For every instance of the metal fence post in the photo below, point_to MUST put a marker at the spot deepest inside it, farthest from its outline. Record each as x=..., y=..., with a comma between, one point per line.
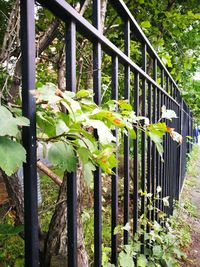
x=29, y=133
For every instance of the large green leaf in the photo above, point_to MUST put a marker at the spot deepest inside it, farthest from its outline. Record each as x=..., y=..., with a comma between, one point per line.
x=158, y=142
x=47, y=93
x=62, y=155
x=88, y=169
x=126, y=260
x=22, y=121
x=112, y=117
x=84, y=154
x=46, y=123
x=9, y=124
x=12, y=155
x=84, y=93
x=106, y=159
x=142, y=261
x=61, y=127
x=104, y=133
x=157, y=251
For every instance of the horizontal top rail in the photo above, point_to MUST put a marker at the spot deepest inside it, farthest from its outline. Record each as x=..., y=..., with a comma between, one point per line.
x=63, y=10
x=125, y=14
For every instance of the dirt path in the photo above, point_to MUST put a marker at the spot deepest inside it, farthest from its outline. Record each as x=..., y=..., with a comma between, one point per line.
x=191, y=194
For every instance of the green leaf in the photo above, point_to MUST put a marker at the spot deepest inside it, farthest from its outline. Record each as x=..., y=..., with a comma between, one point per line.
x=104, y=133
x=118, y=229
x=22, y=121
x=189, y=137
x=146, y=24
x=87, y=104
x=159, y=128
x=8, y=229
x=84, y=154
x=108, y=265
x=157, y=251
x=62, y=155
x=88, y=169
x=84, y=93
x=12, y=155
x=9, y=124
x=106, y=159
x=107, y=116
x=124, y=105
x=132, y=133
x=158, y=142
x=142, y=261
x=47, y=93
x=46, y=123
x=73, y=106
x=126, y=260
x=61, y=127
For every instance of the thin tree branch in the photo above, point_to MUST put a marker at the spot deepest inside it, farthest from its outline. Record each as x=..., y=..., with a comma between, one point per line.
x=49, y=172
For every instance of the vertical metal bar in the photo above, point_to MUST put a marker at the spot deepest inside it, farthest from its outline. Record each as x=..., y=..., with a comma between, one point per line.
x=136, y=168
x=165, y=159
x=29, y=134
x=166, y=150
x=153, y=157
x=149, y=147
x=178, y=149
x=168, y=161
x=171, y=171
x=114, y=207
x=153, y=146
x=170, y=179
x=126, y=138
x=71, y=177
x=155, y=69
x=143, y=163
x=161, y=162
x=175, y=93
x=180, y=130
x=167, y=84
x=171, y=88
x=97, y=174
x=157, y=155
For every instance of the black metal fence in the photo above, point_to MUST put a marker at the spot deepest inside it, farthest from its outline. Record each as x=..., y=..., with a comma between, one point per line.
x=148, y=168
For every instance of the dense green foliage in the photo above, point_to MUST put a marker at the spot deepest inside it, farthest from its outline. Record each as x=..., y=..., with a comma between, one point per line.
x=71, y=134
x=192, y=95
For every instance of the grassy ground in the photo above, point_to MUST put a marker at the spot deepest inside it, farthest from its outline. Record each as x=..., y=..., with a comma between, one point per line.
x=190, y=200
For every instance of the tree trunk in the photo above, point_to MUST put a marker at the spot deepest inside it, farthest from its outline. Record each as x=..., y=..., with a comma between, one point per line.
x=56, y=243
x=61, y=71
x=15, y=194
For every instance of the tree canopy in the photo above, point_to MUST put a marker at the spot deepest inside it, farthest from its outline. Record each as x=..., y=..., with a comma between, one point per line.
x=173, y=28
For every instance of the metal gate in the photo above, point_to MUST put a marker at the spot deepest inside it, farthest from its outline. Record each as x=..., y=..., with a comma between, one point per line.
x=149, y=168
